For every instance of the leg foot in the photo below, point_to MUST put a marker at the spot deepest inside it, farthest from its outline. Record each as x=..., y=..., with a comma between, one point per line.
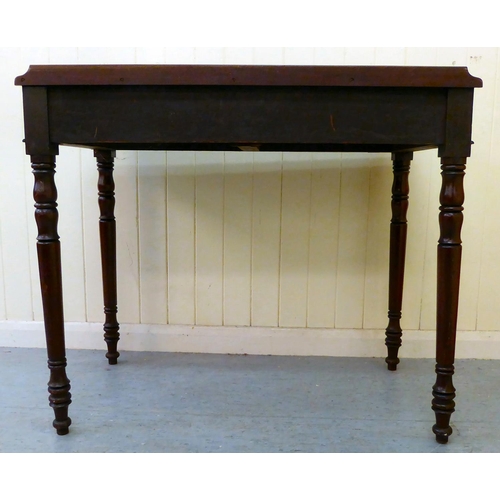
x=112, y=358
x=392, y=363
x=443, y=402
x=441, y=438
x=59, y=396
x=393, y=335
x=62, y=426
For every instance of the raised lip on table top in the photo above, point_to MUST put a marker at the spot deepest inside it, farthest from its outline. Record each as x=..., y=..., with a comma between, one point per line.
x=249, y=75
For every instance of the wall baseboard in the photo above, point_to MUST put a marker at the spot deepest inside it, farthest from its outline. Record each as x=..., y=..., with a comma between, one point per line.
x=252, y=340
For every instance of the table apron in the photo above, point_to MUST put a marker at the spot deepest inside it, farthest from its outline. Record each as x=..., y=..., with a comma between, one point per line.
x=247, y=116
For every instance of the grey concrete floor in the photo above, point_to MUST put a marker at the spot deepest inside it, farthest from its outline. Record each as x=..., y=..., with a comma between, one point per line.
x=155, y=402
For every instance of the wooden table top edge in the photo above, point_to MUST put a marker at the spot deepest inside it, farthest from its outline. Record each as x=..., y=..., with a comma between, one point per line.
x=250, y=75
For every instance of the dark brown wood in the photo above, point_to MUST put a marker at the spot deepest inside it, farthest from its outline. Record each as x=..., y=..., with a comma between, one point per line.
x=36, y=120
x=390, y=109
x=397, y=252
x=448, y=281
x=458, y=121
x=107, y=233
x=236, y=75
x=49, y=261
x=268, y=118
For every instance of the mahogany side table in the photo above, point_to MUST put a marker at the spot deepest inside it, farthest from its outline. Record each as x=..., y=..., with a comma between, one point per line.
x=392, y=109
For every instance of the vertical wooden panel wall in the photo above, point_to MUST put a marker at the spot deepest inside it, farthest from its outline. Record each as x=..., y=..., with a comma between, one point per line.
x=239, y=239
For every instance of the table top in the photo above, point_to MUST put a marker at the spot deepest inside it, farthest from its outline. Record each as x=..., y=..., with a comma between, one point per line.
x=237, y=107
x=241, y=75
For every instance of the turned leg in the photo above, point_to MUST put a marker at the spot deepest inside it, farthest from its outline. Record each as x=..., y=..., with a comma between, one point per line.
x=107, y=233
x=448, y=280
x=49, y=263
x=399, y=205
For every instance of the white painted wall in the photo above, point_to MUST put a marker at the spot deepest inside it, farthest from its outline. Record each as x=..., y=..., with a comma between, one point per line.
x=267, y=240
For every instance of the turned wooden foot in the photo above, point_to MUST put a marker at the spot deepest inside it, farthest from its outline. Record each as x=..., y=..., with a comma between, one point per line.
x=59, y=397
x=399, y=205
x=443, y=403
x=107, y=233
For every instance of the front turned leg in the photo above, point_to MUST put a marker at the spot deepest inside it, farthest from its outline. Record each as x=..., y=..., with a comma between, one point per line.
x=49, y=264
x=397, y=251
x=107, y=233
x=448, y=280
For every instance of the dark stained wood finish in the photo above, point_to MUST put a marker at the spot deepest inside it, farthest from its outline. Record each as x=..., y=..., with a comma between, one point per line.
x=397, y=252
x=270, y=118
x=107, y=234
x=449, y=258
x=235, y=75
x=390, y=109
x=49, y=262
